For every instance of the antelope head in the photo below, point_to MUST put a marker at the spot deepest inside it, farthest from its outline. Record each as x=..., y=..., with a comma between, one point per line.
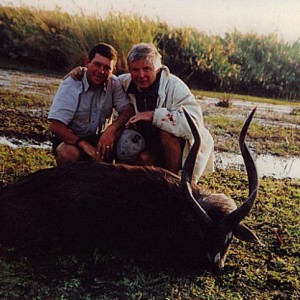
x=217, y=216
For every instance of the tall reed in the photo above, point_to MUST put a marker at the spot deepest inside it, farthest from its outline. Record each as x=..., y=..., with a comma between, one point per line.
x=249, y=63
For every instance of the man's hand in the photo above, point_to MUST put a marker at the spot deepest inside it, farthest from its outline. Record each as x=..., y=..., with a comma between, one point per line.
x=77, y=73
x=106, y=143
x=88, y=149
x=141, y=116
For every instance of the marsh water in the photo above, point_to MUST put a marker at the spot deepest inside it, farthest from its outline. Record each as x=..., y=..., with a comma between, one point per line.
x=271, y=114
x=267, y=165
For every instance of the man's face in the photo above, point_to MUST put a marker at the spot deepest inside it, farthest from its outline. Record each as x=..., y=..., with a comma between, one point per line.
x=99, y=69
x=143, y=73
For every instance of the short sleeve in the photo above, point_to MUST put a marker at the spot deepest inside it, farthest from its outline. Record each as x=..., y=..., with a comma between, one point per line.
x=65, y=101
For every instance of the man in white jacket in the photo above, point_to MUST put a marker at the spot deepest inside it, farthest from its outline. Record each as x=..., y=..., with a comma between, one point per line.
x=158, y=97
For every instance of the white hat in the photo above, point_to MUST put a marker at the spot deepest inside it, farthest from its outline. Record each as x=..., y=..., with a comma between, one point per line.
x=130, y=144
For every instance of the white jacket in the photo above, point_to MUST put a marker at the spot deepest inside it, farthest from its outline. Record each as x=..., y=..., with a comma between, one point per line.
x=173, y=94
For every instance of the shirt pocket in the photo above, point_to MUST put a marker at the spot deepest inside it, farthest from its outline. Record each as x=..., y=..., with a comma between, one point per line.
x=80, y=122
x=82, y=117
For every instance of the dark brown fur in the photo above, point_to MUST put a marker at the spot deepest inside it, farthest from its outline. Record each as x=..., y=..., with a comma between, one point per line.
x=140, y=210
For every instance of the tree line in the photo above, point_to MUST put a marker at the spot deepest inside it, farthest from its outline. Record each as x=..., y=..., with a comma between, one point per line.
x=260, y=65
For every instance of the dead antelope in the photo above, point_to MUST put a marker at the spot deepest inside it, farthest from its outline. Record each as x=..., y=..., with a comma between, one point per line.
x=137, y=209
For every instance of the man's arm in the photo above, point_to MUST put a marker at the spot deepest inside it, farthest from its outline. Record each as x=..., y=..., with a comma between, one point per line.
x=68, y=137
x=108, y=137
x=124, y=109
x=62, y=111
x=123, y=117
x=63, y=132
x=170, y=116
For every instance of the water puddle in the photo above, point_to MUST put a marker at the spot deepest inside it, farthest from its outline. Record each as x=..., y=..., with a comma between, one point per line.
x=16, y=143
x=267, y=165
x=28, y=82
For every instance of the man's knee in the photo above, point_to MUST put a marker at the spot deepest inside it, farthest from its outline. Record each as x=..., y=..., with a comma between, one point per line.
x=145, y=158
x=172, y=148
x=66, y=154
x=169, y=140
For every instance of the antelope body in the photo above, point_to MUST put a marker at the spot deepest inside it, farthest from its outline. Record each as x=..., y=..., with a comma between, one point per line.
x=132, y=208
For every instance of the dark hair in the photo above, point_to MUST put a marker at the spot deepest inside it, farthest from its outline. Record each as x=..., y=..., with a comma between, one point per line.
x=105, y=50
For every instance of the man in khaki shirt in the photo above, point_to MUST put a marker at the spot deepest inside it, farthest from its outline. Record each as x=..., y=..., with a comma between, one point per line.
x=81, y=112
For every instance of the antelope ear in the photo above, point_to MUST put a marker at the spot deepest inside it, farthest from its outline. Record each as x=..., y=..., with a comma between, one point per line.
x=243, y=233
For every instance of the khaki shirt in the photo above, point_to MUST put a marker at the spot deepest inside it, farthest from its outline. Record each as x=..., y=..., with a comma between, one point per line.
x=85, y=111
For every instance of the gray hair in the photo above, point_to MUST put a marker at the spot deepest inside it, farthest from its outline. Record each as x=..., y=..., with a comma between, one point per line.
x=144, y=51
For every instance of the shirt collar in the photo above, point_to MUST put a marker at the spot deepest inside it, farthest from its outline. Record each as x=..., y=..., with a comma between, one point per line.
x=86, y=85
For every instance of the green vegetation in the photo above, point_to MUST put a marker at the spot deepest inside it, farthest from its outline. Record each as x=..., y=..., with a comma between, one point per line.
x=237, y=63
x=269, y=271
x=11, y=98
x=276, y=140
x=16, y=163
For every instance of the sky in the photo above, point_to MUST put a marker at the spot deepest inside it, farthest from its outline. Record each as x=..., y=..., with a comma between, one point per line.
x=210, y=16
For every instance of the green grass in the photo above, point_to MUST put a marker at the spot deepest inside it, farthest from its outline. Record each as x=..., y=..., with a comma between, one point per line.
x=269, y=271
x=275, y=140
x=13, y=98
x=19, y=162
